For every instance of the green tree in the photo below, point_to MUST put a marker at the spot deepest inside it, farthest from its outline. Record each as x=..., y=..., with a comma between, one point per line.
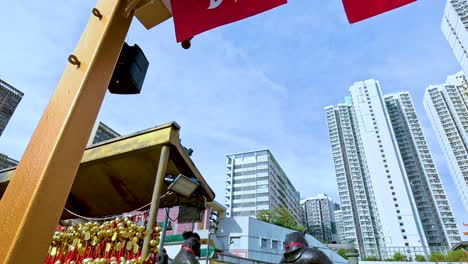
x=399, y=257
x=436, y=256
x=371, y=258
x=280, y=216
x=264, y=215
x=342, y=252
x=457, y=256
x=420, y=258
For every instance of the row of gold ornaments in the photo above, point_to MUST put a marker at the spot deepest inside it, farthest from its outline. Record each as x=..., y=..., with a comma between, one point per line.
x=110, y=242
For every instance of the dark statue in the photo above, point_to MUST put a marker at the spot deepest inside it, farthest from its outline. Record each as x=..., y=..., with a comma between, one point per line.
x=162, y=257
x=297, y=251
x=190, y=249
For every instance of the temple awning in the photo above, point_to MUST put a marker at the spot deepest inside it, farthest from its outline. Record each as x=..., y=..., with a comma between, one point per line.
x=118, y=175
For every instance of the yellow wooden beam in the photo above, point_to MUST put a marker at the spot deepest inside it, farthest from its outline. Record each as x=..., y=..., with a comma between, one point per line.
x=153, y=13
x=34, y=200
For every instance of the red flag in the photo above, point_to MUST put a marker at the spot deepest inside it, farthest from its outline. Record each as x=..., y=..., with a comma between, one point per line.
x=357, y=10
x=193, y=17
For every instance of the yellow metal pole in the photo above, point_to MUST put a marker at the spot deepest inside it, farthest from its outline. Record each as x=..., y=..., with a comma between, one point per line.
x=33, y=202
x=153, y=213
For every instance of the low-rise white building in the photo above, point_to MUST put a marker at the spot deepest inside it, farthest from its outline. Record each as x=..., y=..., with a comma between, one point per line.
x=247, y=240
x=251, y=238
x=255, y=182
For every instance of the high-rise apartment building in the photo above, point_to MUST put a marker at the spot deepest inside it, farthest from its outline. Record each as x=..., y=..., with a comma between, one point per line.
x=431, y=200
x=255, y=181
x=391, y=195
x=337, y=206
x=101, y=132
x=7, y=162
x=339, y=226
x=454, y=26
x=447, y=108
x=319, y=217
x=9, y=100
x=358, y=221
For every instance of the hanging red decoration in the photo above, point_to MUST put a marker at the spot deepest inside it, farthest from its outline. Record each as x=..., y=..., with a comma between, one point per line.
x=357, y=10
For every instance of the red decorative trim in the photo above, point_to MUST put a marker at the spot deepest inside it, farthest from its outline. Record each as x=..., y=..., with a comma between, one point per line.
x=188, y=249
x=292, y=244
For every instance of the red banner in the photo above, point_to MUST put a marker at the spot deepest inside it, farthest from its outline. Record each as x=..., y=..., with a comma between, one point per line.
x=192, y=17
x=357, y=10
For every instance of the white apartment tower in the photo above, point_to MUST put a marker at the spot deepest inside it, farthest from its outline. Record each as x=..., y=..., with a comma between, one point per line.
x=255, y=182
x=339, y=226
x=319, y=217
x=454, y=26
x=431, y=200
x=447, y=108
x=359, y=226
x=390, y=191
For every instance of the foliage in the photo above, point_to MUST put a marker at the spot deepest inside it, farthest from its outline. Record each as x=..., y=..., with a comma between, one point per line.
x=457, y=256
x=280, y=216
x=371, y=258
x=342, y=252
x=398, y=257
x=420, y=258
x=264, y=215
x=436, y=256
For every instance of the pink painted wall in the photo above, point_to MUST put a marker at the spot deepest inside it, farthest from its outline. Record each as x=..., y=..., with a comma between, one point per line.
x=179, y=228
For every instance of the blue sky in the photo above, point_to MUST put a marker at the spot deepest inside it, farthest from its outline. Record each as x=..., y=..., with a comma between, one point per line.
x=259, y=83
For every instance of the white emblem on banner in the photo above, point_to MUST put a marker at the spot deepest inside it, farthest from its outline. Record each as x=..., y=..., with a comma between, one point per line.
x=214, y=4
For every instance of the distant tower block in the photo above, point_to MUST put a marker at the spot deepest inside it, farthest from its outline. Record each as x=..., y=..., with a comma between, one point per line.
x=9, y=100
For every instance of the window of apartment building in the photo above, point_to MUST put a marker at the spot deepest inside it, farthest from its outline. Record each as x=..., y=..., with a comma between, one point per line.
x=245, y=188
x=263, y=242
x=264, y=178
x=396, y=205
x=397, y=211
x=405, y=237
x=391, y=187
x=393, y=193
x=407, y=244
x=274, y=244
x=244, y=213
x=234, y=241
x=401, y=224
x=241, y=205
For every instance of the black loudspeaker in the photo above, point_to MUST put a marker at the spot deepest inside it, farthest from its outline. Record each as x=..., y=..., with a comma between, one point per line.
x=189, y=214
x=130, y=71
